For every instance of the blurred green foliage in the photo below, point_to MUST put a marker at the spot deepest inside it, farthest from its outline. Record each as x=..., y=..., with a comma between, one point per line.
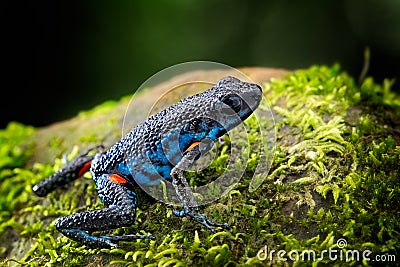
x=85, y=52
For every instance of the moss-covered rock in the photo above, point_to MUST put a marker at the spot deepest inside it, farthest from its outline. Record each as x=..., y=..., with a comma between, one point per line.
x=334, y=181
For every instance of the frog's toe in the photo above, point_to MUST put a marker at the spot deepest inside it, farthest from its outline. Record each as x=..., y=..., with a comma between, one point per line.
x=128, y=237
x=210, y=225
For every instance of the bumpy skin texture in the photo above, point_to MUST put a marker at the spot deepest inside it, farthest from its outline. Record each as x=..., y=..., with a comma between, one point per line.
x=159, y=148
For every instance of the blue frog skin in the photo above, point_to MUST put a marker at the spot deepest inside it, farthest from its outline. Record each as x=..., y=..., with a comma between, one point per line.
x=138, y=158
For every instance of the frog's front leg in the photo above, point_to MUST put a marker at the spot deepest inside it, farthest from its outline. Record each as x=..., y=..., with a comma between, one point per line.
x=121, y=211
x=185, y=194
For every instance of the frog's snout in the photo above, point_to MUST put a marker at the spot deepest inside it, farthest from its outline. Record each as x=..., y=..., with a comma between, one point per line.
x=258, y=87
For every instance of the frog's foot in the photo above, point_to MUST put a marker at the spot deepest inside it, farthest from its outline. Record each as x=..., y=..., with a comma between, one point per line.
x=200, y=218
x=121, y=212
x=117, y=238
x=203, y=219
x=112, y=240
x=101, y=241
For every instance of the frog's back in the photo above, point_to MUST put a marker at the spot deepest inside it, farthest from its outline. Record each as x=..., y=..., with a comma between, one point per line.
x=153, y=147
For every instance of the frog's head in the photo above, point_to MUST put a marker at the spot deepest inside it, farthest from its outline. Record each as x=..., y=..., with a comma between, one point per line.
x=218, y=110
x=226, y=105
x=212, y=113
x=235, y=101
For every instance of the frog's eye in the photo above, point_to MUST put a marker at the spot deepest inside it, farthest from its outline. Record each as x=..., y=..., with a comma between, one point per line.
x=232, y=102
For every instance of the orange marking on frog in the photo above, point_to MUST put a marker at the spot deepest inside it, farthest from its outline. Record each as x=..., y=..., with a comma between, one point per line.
x=115, y=178
x=84, y=169
x=193, y=145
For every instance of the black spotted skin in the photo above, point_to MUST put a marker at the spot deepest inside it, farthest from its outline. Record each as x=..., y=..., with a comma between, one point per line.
x=141, y=157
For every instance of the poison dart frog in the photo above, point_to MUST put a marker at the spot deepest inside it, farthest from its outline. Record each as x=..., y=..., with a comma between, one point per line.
x=139, y=158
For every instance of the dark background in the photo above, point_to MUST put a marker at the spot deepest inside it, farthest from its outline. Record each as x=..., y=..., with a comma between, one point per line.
x=60, y=57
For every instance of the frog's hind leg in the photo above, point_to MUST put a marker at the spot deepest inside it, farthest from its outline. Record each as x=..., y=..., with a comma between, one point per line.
x=68, y=173
x=121, y=212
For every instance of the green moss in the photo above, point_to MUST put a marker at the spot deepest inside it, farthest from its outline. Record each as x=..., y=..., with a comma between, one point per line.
x=15, y=145
x=343, y=145
x=334, y=175
x=15, y=149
